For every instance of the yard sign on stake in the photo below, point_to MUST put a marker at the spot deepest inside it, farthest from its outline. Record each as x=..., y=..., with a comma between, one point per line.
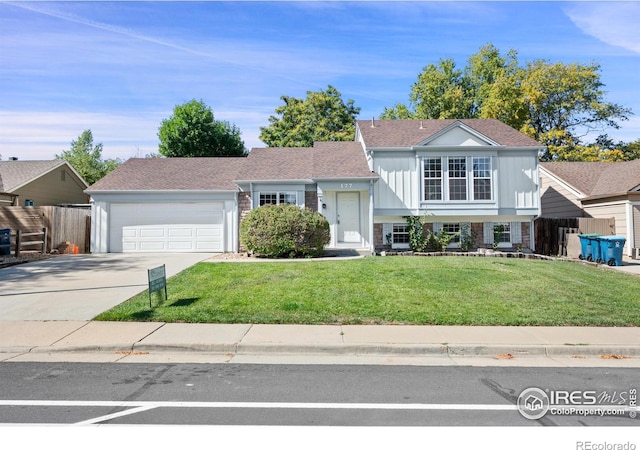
x=157, y=282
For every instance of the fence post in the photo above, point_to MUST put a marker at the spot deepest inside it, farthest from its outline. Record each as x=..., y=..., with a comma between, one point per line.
x=18, y=242
x=44, y=240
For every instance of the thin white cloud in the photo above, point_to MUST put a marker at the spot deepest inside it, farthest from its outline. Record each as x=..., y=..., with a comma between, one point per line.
x=56, y=130
x=615, y=23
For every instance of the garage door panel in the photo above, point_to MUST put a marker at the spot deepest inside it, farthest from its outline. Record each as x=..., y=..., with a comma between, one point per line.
x=167, y=227
x=180, y=232
x=150, y=233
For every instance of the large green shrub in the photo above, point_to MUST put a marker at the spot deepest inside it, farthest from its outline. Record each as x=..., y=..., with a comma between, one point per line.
x=284, y=231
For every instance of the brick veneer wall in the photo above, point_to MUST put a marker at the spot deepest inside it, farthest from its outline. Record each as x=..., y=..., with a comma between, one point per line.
x=526, y=234
x=311, y=200
x=476, y=232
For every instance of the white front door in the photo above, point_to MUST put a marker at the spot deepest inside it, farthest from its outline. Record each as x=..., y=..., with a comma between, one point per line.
x=349, y=217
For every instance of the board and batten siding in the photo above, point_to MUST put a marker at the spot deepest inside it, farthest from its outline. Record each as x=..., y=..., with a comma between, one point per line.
x=517, y=174
x=636, y=226
x=557, y=200
x=398, y=186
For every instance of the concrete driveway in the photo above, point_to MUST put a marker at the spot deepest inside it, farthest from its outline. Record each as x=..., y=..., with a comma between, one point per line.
x=79, y=287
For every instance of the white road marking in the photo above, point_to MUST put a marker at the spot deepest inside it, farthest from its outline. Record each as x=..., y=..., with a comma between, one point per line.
x=115, y=415
x=265, y=405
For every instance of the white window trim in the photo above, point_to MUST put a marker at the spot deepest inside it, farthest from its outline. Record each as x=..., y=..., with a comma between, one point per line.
x=515, y=233
x=444, y=179
x=277, y=194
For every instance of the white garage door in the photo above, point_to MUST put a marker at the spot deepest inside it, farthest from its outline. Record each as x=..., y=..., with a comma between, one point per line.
x=166, y=227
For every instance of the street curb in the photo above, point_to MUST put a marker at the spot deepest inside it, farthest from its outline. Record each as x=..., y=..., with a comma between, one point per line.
x=454, y=350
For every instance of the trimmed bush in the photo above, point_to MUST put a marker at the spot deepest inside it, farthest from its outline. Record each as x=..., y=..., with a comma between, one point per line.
x=284, y=230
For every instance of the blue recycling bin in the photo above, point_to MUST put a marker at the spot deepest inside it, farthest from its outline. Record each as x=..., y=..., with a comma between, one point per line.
x=611, y=250
x=5, y=241
x=596, y=253
x=587, y=242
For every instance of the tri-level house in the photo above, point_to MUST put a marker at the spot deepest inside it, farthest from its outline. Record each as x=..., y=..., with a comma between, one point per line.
x=477, y=172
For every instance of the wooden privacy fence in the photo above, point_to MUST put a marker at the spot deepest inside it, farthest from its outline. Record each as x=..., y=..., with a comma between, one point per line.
x=21, y=239
x=551, y=233
x=68, y=225
x=63, y=224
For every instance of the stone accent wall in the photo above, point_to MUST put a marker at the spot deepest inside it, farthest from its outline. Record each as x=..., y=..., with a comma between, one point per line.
x=244, y=206
x=244, y=203
x=311, y=200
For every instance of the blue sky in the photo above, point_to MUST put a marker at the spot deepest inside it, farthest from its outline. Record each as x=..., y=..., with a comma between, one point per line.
x=119, y=68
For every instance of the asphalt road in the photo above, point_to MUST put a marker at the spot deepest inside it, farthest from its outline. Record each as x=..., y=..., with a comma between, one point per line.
x=310, y=395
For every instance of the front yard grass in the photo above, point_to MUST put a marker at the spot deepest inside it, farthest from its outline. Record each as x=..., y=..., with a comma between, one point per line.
x=394, y=290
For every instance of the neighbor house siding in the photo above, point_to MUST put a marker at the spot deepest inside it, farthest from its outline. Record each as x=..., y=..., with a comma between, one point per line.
x=53, y=188
x=557, y=199
x=615, y=209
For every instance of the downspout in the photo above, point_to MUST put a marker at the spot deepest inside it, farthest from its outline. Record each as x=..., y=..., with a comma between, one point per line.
x=630, y=227
x=372, y=246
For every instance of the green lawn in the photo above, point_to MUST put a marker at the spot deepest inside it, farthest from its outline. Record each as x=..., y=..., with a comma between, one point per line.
x=402, y=289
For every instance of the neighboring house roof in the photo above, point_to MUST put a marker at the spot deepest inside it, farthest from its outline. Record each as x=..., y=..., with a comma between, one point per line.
x=408, y=133
x=16, y=174
x=325, y=160
x=167, y=174
x=595, y=179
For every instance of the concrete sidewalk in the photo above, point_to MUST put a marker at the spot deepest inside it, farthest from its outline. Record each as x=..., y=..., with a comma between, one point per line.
x=46, y=309
x=349, y=344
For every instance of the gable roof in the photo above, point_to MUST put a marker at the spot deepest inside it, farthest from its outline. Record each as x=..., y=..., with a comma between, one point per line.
x=15, y=174
x=409, y=133
x=189, y=174
x=325, y=160
x=597, y=178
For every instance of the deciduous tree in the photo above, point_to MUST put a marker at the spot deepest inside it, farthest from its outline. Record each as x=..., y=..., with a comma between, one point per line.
x=321, y=116
x=86, y=158
x=192, y=131
x=557, y=104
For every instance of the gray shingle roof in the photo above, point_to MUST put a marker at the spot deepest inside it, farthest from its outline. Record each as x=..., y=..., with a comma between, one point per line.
x=407, y=133
x=325, y=160
x=597, y=178
x=150, y=174
x=14, y=174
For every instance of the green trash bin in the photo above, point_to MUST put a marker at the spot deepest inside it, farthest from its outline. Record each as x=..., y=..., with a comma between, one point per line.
x=611, y=250
x=587, y=242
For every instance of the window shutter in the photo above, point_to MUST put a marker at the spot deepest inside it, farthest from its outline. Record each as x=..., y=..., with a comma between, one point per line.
x=516, y=233
x=465, y=229
x=437, y=226
x=487, y=231
x=387, y=228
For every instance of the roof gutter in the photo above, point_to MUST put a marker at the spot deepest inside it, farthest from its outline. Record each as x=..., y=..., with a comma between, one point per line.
x=161, y=191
